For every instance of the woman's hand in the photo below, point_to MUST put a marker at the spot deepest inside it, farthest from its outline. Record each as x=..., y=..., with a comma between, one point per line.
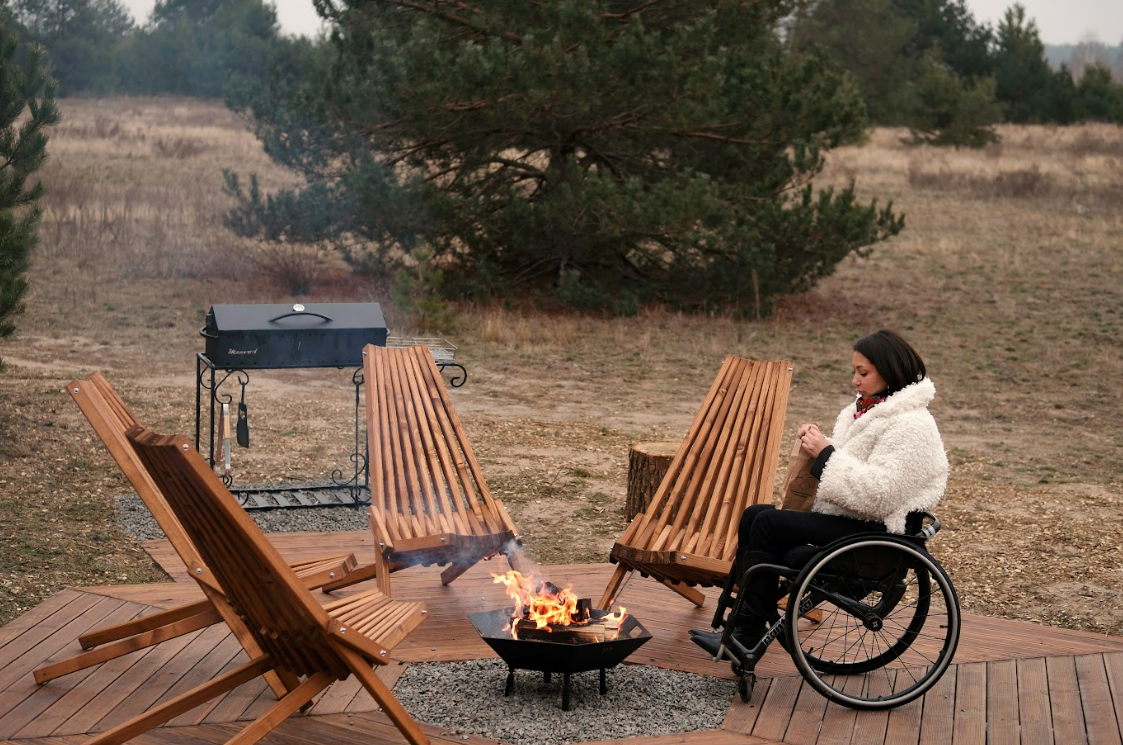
x=811, y=440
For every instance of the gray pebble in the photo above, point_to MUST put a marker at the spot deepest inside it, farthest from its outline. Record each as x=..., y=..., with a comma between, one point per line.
x=135, y=519
x=467, y=698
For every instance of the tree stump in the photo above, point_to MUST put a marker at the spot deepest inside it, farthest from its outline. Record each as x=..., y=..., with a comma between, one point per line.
x=647, y=464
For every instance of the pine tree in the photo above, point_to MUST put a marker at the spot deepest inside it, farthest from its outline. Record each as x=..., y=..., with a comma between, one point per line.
x=81, y=39
x=871, y=41
x=1024, y=80
x=950, y=111
x=1100, y=97
x=205, y=48
x=600, y=152
x=888, y=46
x=27, y=107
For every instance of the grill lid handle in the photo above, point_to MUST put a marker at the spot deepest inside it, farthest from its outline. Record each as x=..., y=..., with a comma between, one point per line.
x=326, y=319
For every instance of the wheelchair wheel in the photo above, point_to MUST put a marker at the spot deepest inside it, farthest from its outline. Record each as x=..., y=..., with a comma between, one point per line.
x=887, y=624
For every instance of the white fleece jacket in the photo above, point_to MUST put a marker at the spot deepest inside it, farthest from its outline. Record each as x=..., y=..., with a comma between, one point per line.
x=887, y=463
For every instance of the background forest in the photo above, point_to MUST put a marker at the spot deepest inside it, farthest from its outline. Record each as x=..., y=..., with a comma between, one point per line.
x=898, y=52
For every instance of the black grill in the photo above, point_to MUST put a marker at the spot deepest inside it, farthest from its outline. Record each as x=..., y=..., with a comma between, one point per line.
x=280, y=336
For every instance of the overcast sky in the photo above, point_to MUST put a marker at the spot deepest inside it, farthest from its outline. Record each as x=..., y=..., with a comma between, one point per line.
x=1058, y=21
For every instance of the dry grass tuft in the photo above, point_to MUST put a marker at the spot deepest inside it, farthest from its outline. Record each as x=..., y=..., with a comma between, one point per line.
x=518, y=331
x=1022, y=183
x=179, y=148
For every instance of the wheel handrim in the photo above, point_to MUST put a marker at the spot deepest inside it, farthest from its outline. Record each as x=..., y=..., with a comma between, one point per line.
x=866, y=668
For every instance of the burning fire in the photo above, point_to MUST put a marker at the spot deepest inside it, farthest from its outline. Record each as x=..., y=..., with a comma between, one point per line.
x=544, y=603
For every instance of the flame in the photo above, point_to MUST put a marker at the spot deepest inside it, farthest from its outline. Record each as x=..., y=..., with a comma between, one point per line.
x=536, y=601
x=544, y=604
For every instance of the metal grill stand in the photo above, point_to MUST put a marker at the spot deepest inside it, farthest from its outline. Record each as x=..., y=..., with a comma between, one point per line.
x=354, y=491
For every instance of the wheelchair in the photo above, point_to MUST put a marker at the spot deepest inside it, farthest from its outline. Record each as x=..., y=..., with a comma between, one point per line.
x=876, y=618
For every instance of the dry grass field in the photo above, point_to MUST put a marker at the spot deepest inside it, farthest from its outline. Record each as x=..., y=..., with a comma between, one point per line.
x=1007, y=278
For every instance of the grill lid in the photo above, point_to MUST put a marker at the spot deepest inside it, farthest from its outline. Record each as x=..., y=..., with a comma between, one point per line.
x=295, y=317
x=297, y=335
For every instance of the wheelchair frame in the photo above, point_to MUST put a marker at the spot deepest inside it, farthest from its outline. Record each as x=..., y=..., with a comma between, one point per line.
x=863, y=581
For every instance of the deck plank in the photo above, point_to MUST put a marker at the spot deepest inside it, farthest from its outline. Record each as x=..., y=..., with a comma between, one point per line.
x=871, y=727
x=1113, y=664
x=970, y=711
x=48, y=638
x=37, y=615
x=1003, y=722
x=226, y=655
x=22, y=701
x=109, y=699
x=44, y=712
x=1033, y=703
x=1064, y=701
x=776, y=712
x=807, y=717
x=742, y=717
x=903, y=727
x=939, y=710
x=166, y=678
x=1101, y=717
x=838, y=722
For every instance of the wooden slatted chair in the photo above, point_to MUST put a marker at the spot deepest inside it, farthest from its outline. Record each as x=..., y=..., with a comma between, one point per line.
x=111, y=418
x=306, y=645
x=429, y=501
x=687, y=536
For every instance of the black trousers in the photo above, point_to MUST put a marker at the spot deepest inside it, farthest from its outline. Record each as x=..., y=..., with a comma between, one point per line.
x=765, y=534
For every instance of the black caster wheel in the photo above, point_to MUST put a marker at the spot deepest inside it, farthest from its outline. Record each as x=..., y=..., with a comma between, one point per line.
x=745, y=686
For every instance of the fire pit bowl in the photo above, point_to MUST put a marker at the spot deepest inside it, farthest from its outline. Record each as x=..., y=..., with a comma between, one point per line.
x=565, y=650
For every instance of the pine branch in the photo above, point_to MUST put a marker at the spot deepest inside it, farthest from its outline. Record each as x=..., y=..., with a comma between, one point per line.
x=433, y=10
x=625, y=15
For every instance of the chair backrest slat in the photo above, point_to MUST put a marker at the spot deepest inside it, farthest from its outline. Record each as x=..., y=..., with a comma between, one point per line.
x=257, y=582
x=708, y=481
x=689, y=463
x=424, y=474
x=747, y=472
x=450, y=482
x=467, y=468
x=444, y=494
x=390, y=452
x=738, y=463
x=766, y=454
x=725, y=463
x=111, y=418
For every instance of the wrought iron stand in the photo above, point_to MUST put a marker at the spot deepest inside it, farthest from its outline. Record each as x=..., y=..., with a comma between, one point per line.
x=211, y=379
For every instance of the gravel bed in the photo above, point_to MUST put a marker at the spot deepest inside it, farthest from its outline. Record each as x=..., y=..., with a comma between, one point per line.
x=466, y=698
x=135, y=519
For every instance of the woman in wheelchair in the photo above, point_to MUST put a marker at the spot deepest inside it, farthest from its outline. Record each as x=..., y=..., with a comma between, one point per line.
x=885, y=460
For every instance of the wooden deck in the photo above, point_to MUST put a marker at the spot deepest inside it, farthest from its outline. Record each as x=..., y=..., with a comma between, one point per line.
x=1011, y=682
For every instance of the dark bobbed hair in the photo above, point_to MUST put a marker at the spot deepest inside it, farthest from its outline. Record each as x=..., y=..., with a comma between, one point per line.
x=893, y=357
